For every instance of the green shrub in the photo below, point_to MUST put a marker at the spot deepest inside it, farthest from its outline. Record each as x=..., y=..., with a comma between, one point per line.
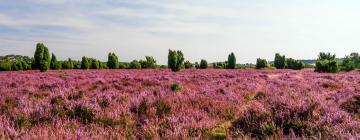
x=81, y=114
x=326, y=66
x=294, y=64
x=220, y=65
x=261, y=63
x=113, y=61
x=197, y=66
x=5, y=66
x=42, y=57
x=54, y=64
x=175, y=87
x=67, y=64
x=135, y=64
x=203, y=64
x=85, y=64
x=108, y=122
x=162, y=108
x=188, y=65
x=18, y=65
x=95, y=64
x=149, y=63
x=348, y=64
x=175, y=60
x=279, y=61
x=231, y=61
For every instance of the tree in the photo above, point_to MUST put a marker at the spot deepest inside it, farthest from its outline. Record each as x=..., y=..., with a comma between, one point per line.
x=279, y=61
x=41, y=57
x=149, y=63
x=175, y=60
x=231, y=61
x=294, y=64
x=54, y=64
x=85, y=64
x=67, y=64
x=188, y=65
x=326, y=63
x=95, y=64
x=197, y=66
x=135, y=64
x=113, y=61
x=203, y=64
x=348, y=64
x=261, y=63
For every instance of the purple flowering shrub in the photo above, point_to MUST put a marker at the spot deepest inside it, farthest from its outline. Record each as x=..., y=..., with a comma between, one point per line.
x=212, y=104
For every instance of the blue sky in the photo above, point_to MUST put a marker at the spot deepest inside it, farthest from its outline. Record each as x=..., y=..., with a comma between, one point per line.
x=202, y=29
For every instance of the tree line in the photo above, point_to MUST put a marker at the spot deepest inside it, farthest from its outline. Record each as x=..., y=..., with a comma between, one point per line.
x=43, y=61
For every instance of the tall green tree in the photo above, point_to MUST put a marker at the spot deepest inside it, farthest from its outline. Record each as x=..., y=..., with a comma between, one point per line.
x=85, y=64
x=279, y=61
x=261, y=63
x=54, y=64
x=326, y=63
x=113, y=61
x=175, y=60
x=42, y=57
x=231, y=61
x=203, y=64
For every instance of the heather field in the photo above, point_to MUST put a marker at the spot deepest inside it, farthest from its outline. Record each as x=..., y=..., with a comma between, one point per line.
x=190, y=104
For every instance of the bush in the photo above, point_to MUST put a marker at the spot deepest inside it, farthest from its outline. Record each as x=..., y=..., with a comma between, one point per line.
x=42, y=58
x=5, y=66
x=81, y=114
x=135, y=64
x=188, y=65
x=113, y=61
x=294, y=64
x=85, y=64
x=231, y=61
x=197, y=66
x=175, y=60
x=261, y=63
x=347, y=64
x=175, y=87
x=149, y=63
x=203, y=64
x=162, y=108
x=54, y=64
x=279, y=61
x=67, y=64
x=18, y=65
x=220, y=65
x=95, y=64
x=326, y=63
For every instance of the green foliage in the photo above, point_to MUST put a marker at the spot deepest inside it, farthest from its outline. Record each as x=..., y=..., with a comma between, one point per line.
x=113, y=61
x=261, y=63
x=231, y=61
x=85, y=64
x=294, y=64
x=326, y=63
x=67, y=64
x=347, y=64
x=197, y=66
x=220, y=65
x=42, y=57
x=149, y=63
x=203, y=64
x=188, y=65
x=162, y=108
x=175, y=87
x=175, y=60
x=54, y=64
x=81, y=114
x=135, y=65
x=95, y=64
x=5, y=66
x=279, y=61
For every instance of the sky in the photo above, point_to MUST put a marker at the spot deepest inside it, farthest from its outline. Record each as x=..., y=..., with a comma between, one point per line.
x=202, y=29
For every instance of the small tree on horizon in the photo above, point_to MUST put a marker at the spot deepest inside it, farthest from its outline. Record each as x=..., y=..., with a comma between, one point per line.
x=203, y=64
x=279, y=61
x=261, y=63
x=113, y=61
x=54, y=64
x=175, y=60
x=231, y=61
x=42, y=57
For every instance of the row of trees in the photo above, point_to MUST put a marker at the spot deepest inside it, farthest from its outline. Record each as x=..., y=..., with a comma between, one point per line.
x=43, y=61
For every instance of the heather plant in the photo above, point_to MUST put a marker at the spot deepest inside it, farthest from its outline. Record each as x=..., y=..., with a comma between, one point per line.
x=188, y=65
x=294, y=64
x=279, y=61
x=261, y=63
x=54, y=64
x=231, y=61
x=113, y=61
x=41, y=57
x=162, y=108
x=203, y=64
x=175, y=60
x=85, y=64
x=175, y=87
x=81, y=114
x=135, y=64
